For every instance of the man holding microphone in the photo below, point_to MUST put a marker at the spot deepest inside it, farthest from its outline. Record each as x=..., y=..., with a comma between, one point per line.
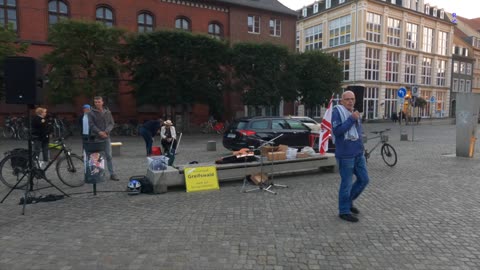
x=349, y=152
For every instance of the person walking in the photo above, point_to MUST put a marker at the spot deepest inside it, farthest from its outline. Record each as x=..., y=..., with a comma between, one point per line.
x=349, y=152
x=148, y=130
x=101, y=123
x=40, y=134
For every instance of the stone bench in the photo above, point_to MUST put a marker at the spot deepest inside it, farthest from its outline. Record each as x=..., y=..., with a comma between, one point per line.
x=116, y=148
x=161, y=180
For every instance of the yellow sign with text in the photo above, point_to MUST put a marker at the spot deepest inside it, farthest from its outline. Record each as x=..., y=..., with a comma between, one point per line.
x=201, y=179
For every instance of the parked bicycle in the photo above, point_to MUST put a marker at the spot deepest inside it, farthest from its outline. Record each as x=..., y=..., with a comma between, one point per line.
x=15, y=128
x=69, y=167
x=389, y=155
x=213, y=126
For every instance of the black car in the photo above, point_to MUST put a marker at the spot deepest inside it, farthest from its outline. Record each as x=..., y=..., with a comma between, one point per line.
x=254, y=131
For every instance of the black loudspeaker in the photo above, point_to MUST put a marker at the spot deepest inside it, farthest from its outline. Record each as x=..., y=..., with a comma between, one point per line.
x=359, y=92
x=23, y=81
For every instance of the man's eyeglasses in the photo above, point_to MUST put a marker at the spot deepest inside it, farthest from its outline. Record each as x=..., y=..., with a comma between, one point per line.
x=348, y=99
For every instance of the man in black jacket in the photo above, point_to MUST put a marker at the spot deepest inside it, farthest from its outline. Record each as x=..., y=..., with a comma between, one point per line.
x=148, y=130
x=40, y=133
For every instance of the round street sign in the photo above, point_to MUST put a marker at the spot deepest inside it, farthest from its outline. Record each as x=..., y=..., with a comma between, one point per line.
x=402, y=92
x=432, y=99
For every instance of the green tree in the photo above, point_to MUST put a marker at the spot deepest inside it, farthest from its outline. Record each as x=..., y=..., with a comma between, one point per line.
x=263, y=73
x=318, y=76
x=84, y=60
x=177, y=68
x=8, y=47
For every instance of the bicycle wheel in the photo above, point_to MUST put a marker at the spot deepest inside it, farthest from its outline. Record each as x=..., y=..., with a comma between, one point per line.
x=13, y=168
x=389, y=155
x=70, y=170
x=8, y=133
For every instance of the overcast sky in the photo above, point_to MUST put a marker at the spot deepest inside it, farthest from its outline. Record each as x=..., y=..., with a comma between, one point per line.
x=466, y=8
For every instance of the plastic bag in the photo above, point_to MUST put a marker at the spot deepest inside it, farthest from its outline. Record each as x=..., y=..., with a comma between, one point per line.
x=309, y=150
x=292, y=153
x=158, y=163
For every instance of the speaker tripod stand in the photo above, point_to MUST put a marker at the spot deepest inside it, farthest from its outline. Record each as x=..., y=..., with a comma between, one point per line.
x=264, y=185
x=30, y=172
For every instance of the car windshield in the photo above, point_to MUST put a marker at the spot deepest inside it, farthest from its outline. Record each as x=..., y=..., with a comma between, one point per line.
x=238, y=125
x=297, y=125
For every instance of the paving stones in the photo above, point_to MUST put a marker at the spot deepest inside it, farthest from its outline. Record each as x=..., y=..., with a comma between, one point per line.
x=420, y=214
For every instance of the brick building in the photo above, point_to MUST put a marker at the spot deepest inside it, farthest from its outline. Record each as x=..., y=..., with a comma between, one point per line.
x=242, y=20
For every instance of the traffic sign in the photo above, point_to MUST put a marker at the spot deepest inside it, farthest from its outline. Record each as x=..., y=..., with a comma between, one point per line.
x=432, y=99
x=415, y=91
x=402, y=92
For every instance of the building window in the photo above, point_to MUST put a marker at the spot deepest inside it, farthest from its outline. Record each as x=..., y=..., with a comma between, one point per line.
x=468, y=86
x=441, y=64
x=435, y=12
x=315, y=8
x=410, y=69
x=427, y=39
x=392, y=66
x=373, y=27
x=442, y=14
x=8, y=13
x=344, y=57
x=275, y=27
x=427, y=9
x=215, y=30
x=462, y=86
x=104, y=15
x=441, y=103
x=455, y=85
x=57, y=10
x=328, y=4
x=393, y=33
x=341, y=1
x=455, y=67
x=254, y=24
x=370, y=102
x=462, y=68
x=426, y=77
x=469, y=69
x=183, y=23
x=411, y=36
x=313, y=37
x=340, y=31
x=442, y=43
x=372, y=64
x=425, y=111
x=145, y=22
x=304, y=12
x=390, y=102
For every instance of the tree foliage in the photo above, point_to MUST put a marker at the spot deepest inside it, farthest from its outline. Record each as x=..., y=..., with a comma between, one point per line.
x=176, y=68
x=8, y=47
x=319, y=75
x=264, y=73
x=84, y=60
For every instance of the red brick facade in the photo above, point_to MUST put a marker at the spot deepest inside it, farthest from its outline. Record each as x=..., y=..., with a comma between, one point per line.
x=33, y=21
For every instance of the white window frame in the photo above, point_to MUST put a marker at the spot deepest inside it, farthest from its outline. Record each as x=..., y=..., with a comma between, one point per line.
x=461, y=87
x=374, y=27
x=276, y=32
x=455, y=66
x=426, y=76
x=468, y=86
x=410, y=74
x=392, y=66
x=341, y=1
x=442, y=43
x=427, y=45
x=253, y=25
x=455, y=85
x=315, y=8
x=469, y=69
x=442, y=14
x=390, y=102
x=328, y=4
x=462, y=67
x=427, y=9
x=313, y=37
x=370, y=102
x=412, y=42
x=393, y=32
x=441, y=72
x=304, y=12
x=435, y=12
x=372, y=64
x=340, y=31
x=344, y=57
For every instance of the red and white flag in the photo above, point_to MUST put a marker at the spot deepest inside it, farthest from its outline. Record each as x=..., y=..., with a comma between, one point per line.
x=326, y=128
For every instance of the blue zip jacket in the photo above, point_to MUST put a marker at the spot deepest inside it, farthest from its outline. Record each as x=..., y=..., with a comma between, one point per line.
x=346, y=148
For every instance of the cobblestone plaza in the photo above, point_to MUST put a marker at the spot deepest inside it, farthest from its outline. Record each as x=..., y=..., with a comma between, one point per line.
x=421, y=214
